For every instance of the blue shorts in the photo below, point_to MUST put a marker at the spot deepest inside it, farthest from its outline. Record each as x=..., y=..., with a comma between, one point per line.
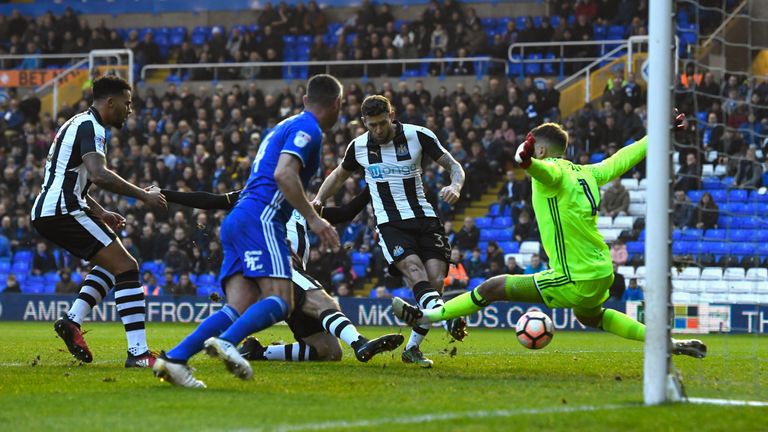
x=254, y=247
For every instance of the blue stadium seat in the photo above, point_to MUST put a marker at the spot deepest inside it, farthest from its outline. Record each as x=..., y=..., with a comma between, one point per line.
x=206, y=279
x=712, y=184
x=483, y=222
x=762, y=249
x=474, y=282
x=600, y=32
x=51, y=278
x=520, y=22
x=22, y=256
x=740, y=235
x=635, y=247
x=197, y=39
x=682, y=248
x=549, y=68
x=695, y=195
x=554, y=20
x=533, y=68
x=502, y=222
x=482, y=245
x=488, y=23
x=715, y=234
x=726, y=182
x=510, y=247
x=641, y=237
x=21, y=267
x=537, y=21
x=515, y=67
x=361, y=270
x=719, y=196
x=361, y=258
x=724, y=221
x=742, y=249
x=596, y=157
x=493, y=210
x=5, y=265
x=403, y=293
x=692, y=234
x=374, y=293
x=615, y=31
x=755, y=196
x=718, y=248
x=760, y=235
x=739, y=195
x=488, y=234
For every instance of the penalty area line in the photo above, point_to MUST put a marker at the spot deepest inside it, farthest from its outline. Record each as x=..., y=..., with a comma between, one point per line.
x=484, y=414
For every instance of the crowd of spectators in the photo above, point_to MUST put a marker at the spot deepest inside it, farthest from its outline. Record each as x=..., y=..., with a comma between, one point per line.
x=444, y=29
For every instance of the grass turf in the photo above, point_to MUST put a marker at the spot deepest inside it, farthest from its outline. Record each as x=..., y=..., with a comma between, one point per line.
x=581, y=381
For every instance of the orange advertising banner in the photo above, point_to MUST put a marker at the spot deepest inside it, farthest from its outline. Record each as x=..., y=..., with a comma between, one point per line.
x=32, y=78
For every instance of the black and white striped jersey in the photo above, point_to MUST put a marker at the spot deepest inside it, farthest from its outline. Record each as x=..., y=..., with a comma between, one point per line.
x=66, y=178
x=393, y=171
x=298, y=236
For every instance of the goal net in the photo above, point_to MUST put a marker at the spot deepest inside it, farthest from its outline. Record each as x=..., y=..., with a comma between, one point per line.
x=719, y=201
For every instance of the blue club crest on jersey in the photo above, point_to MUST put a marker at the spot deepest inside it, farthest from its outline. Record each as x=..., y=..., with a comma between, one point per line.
x=398, y=250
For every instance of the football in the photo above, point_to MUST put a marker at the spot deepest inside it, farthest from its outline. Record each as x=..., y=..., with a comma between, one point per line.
x=534, y=330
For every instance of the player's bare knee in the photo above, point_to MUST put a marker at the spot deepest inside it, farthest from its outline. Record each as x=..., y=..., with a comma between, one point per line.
x=328, y=350
x=318, y=301
x=589, y=321
x=493, y=288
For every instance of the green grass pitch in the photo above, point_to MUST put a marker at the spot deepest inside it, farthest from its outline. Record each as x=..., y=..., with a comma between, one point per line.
x=582, y=381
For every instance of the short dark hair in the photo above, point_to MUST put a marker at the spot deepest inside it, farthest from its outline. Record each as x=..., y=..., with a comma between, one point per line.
x=109, y=85
x=554, y=134
x=323, y=89
x=375, y=105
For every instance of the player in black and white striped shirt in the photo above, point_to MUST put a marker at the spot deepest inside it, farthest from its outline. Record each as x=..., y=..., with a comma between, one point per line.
x=66, y=215
x=411, y=235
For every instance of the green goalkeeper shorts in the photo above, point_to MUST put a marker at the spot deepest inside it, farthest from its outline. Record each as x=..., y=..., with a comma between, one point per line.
x=557, y=291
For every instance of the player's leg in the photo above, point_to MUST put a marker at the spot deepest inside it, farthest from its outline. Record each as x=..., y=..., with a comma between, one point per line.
x=129, y=300
x=94, y=288
x=520, y=288
x=413, y=270
x=275, y=305
x=437, y=269
x=172, y=366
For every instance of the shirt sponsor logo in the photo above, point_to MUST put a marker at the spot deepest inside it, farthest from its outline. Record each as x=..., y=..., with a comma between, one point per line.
x=378, y=171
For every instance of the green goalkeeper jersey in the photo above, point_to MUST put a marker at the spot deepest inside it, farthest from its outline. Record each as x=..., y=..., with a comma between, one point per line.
x=566, y=199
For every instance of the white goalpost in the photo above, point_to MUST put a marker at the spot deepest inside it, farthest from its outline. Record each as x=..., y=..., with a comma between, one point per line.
x=656, y=367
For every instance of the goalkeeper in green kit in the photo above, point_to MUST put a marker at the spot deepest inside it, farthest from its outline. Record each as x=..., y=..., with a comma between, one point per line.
x=566, y=198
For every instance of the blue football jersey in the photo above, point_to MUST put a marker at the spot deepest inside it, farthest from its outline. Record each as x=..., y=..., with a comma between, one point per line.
x=299, y=136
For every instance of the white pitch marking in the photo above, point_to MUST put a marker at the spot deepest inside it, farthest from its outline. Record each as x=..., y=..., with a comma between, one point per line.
x=727, y=402
x=487, y=414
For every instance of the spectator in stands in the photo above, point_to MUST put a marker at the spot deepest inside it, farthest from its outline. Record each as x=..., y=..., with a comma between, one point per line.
x=175, y=260
x=619, y=285
x=525, y=228
x=468, y=236
x=535, y=265
x=11, y=285
x=149, y=284
x=711, y=134
x=494, y=253
x=43, y=260
x=65, y=285
x=494, y=269
x=344, y=289
x=688, y=177
x=682, y=210
x=512, y=267
x=515, y=193
x=449, y=232
x=438, y=39
x=619, y=254
x=632, y=91
x=457, y=278
x=474, y=265
x=615, y=200
x=147, y=51
x=633, y=292
x=185, y=286
x=749, y=172
x=630, y=123
x=706, y=214
x=169, y=285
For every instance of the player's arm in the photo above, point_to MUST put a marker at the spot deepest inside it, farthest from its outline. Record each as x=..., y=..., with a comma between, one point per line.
x=288, y=180
x=338, y=176
x=95, y=207
x=544, y=172
x=202, y=200
x=105, y=178
x=432, y=147
x=621, y=162
x=348, y=211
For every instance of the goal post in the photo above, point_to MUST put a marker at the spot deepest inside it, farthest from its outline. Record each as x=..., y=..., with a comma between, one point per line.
x=656, y=367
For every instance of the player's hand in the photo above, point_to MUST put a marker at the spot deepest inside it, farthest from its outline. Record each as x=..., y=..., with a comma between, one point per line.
x=329, y=238
x=678, y=122
x=450, y=194
x=525, y=151
x=155, y=199
x=152, y=188
x=113, y=220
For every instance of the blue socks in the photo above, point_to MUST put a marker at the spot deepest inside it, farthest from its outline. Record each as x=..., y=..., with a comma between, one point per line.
x=259, y=316
x=211, y=326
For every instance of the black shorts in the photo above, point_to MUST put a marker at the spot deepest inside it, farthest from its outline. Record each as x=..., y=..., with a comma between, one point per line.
x=301, y=324
x=424, y=237
x=81, y=233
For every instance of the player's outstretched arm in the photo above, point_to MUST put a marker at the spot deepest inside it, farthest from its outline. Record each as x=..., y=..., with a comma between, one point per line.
x=105, y=178
x=289, y=182
x=332, y=183
x=202, y=200
x=544, y=172
x=348, y=211
x=619, y=163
